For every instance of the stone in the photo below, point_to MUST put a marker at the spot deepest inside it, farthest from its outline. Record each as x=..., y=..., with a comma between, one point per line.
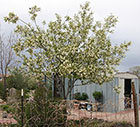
x=4, y=115
x=12, y=95
x=1, y=101
x=12, y=92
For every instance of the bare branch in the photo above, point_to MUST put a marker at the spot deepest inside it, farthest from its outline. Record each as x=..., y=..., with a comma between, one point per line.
x=6, y=57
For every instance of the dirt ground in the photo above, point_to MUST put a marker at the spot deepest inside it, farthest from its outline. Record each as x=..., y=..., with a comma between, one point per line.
x=127, y=115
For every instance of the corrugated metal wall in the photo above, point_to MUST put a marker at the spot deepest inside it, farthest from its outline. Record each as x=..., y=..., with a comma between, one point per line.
x=111, y=100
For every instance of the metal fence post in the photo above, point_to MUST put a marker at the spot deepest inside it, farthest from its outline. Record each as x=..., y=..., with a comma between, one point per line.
x=22, y=108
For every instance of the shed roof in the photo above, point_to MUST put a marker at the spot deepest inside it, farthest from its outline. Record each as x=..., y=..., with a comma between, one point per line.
x=125, y=75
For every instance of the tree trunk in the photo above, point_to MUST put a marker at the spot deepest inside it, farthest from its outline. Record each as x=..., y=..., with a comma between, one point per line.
x=5, y=87
x=63, y=88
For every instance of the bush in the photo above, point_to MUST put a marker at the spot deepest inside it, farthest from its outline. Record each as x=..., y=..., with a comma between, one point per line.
x=1, y=90
x=97, y=95
x=84, y=96
x=78, y=96
x=7, y=108
x=42, y=111
x=19, y=79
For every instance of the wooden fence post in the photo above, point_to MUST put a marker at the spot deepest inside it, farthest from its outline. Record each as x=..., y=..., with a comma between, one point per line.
x=136, y=108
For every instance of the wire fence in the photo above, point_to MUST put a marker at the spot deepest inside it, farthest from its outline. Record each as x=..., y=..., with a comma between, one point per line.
x=122, y=111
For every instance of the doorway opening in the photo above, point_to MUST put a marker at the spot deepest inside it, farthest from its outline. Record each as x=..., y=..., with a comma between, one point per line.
x=127, y=93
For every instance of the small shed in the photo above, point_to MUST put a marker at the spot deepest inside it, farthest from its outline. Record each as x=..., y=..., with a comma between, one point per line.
x=112, y=101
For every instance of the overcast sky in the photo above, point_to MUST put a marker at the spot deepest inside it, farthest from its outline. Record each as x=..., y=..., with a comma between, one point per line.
x=128, y=12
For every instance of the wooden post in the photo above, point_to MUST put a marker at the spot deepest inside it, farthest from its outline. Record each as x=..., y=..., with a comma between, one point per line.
x=136, y=109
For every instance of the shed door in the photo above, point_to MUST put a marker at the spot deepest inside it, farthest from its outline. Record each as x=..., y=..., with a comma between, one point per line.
x=127, y=93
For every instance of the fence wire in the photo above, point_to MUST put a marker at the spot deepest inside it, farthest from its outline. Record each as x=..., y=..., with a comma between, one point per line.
x=124, y=111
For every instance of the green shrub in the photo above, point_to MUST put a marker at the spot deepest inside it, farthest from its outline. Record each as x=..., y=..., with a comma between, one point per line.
x=1, y=90
x=84, y=96
x=79, y=96
x=19, y=79
x=97, y=95
x=7, y=108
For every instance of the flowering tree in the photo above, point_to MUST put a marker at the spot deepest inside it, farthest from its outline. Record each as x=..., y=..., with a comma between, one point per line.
x=72, y=47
